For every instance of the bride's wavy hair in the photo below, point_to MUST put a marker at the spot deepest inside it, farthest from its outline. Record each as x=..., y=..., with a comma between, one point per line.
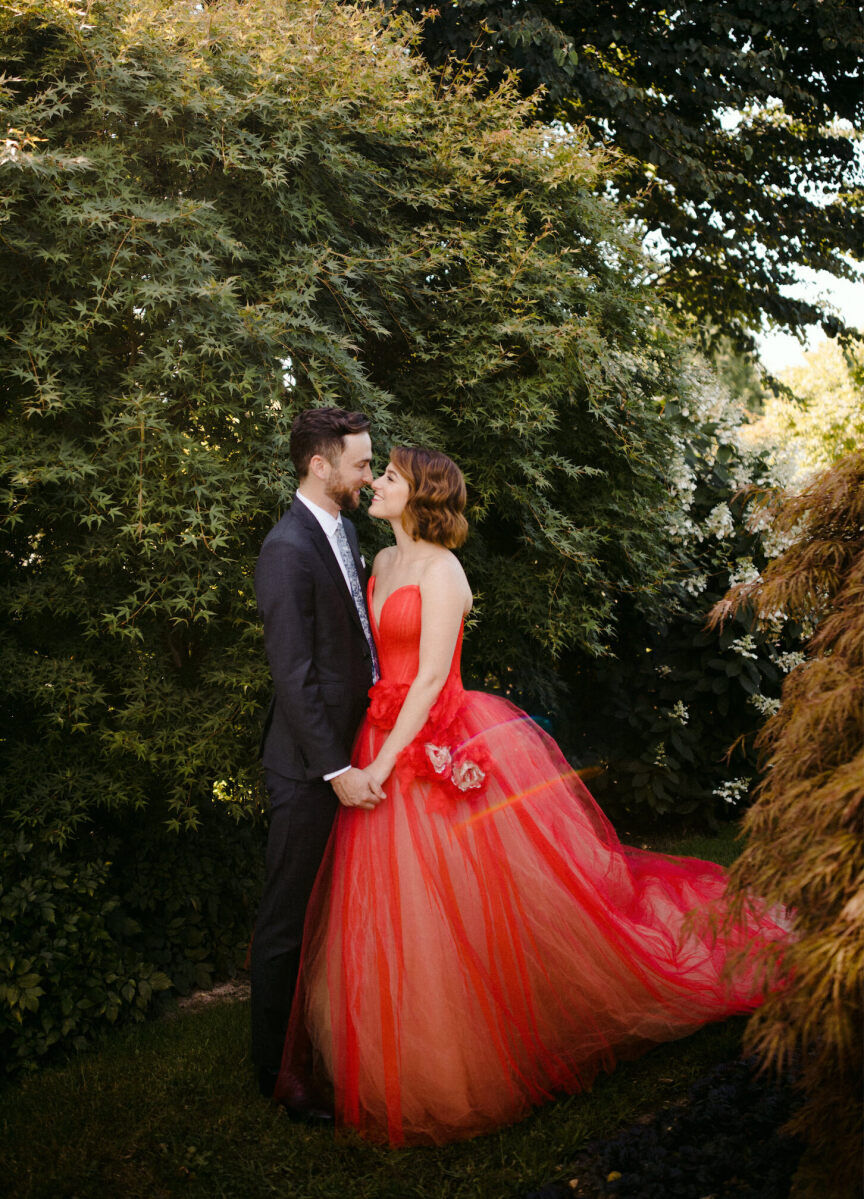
x=436, y=496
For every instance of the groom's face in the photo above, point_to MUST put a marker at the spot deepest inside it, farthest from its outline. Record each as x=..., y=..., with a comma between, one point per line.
x=351, y=472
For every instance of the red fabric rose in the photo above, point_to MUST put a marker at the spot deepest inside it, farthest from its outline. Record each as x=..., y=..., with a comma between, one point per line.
x=455, y=772
x=386, y=703
x=456, y=768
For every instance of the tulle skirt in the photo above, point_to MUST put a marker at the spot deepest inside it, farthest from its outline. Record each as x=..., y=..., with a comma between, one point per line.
x=482, y=942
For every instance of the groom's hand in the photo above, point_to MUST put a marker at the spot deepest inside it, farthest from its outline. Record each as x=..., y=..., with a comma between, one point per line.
x=355, y=788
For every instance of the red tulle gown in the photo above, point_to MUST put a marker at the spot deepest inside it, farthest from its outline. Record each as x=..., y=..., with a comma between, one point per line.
x=481, y=941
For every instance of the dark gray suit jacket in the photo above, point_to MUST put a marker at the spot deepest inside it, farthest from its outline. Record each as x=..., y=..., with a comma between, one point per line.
x=318, y=653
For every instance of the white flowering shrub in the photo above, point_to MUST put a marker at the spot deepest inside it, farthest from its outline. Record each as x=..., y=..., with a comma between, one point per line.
x=664, y=712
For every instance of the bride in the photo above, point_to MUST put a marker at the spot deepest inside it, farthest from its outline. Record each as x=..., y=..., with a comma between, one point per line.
x=481, y=941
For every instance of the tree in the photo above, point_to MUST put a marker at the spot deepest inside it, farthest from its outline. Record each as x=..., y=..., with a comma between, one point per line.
x=820, y=418
x=804, y=848
x=738, y=121
x=207, y=229
x=212, y=218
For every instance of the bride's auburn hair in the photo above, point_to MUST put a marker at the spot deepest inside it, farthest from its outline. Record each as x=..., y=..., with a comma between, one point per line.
x=436, y=496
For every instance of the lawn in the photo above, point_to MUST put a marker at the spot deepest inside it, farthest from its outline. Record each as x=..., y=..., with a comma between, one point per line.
x=168, y=1108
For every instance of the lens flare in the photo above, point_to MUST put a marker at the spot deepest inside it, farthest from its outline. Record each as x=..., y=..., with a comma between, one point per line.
x=511, y=799
x=585, y=772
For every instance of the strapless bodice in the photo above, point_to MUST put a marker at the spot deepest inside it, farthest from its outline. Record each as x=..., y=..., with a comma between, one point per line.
x=397, y=636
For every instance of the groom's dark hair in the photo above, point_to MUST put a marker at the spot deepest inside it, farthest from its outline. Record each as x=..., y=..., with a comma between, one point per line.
x=320, y=431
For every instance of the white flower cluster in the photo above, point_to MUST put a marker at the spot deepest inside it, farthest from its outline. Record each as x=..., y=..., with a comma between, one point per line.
x=788, y=661
x=681, y=527
x=719, y=523
x=784, y=458
x=758, y=518
x=744, y=571
x=721, y=425
x=732, y=790
x=626, y=364
x=775, y=541
x=745, y=647
x=679, y=713
x=681, y=475
x=695, y=584
x=741, y=468
x=763, y=705
x=705, y=398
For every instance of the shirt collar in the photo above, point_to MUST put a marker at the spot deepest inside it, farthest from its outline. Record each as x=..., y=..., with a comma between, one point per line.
x=326, y=520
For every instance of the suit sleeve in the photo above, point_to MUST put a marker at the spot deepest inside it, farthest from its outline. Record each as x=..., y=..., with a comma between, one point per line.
x=286, y=598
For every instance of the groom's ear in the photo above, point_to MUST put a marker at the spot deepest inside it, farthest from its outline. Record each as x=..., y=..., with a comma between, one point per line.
x=319, y=466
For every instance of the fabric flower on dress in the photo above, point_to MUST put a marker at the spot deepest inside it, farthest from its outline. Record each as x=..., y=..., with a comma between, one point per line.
x=441, y=753
x=456, y=772
x=467, y=775
x=455, y=767
x=386, y=700
x=440, y=757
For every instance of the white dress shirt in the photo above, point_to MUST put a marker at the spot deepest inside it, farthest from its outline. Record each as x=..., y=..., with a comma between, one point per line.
x=329, y=524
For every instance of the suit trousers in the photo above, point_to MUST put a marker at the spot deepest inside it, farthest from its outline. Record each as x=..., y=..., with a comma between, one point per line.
x=302, y=815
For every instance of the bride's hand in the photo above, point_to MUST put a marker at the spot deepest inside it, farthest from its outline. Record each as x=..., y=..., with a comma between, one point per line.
x=380, y=771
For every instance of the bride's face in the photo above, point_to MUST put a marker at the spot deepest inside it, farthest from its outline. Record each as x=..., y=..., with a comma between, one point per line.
x=389, y=494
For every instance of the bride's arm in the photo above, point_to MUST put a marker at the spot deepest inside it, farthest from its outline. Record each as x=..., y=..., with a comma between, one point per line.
x=445, y=596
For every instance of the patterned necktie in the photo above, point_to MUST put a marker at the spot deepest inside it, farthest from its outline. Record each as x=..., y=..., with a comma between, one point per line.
x=357, y=594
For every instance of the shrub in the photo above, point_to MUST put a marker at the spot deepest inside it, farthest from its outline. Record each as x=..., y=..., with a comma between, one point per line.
x=804, y=845
x=90, y=935
x=661, y=714
x=65, y=971
x=215, y=216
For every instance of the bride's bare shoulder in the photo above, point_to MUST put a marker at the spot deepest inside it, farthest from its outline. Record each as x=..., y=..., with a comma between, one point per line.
x=444, y=574
x=382, y=560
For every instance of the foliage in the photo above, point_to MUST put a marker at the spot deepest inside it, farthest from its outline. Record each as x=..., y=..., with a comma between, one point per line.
x=662, y=713
x=739, y=121
x=823, y=419
x=742, y=376
x=89, y=936
x=191, y=896
x=804, y=831
x=64, y=971
x=212, y=219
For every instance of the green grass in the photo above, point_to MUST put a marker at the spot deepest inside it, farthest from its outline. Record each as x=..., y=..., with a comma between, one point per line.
x=722, y=847
x=168, y=1108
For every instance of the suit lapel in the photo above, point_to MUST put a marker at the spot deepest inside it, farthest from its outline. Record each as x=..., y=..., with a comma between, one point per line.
x=318, y=539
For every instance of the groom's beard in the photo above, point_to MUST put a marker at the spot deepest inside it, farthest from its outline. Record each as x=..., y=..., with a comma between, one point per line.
x=342, y=496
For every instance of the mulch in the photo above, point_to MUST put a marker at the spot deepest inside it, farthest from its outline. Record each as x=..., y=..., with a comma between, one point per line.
x=725, y=1140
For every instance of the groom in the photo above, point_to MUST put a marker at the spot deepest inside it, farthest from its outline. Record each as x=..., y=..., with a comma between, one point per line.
x=310, y=582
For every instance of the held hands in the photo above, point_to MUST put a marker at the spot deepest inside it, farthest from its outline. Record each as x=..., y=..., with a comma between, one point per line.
x=380, y=770
x=357, y=789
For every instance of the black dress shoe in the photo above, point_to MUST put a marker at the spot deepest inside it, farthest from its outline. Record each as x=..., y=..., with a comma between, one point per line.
x=299, y=1099
x=267, y=1081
